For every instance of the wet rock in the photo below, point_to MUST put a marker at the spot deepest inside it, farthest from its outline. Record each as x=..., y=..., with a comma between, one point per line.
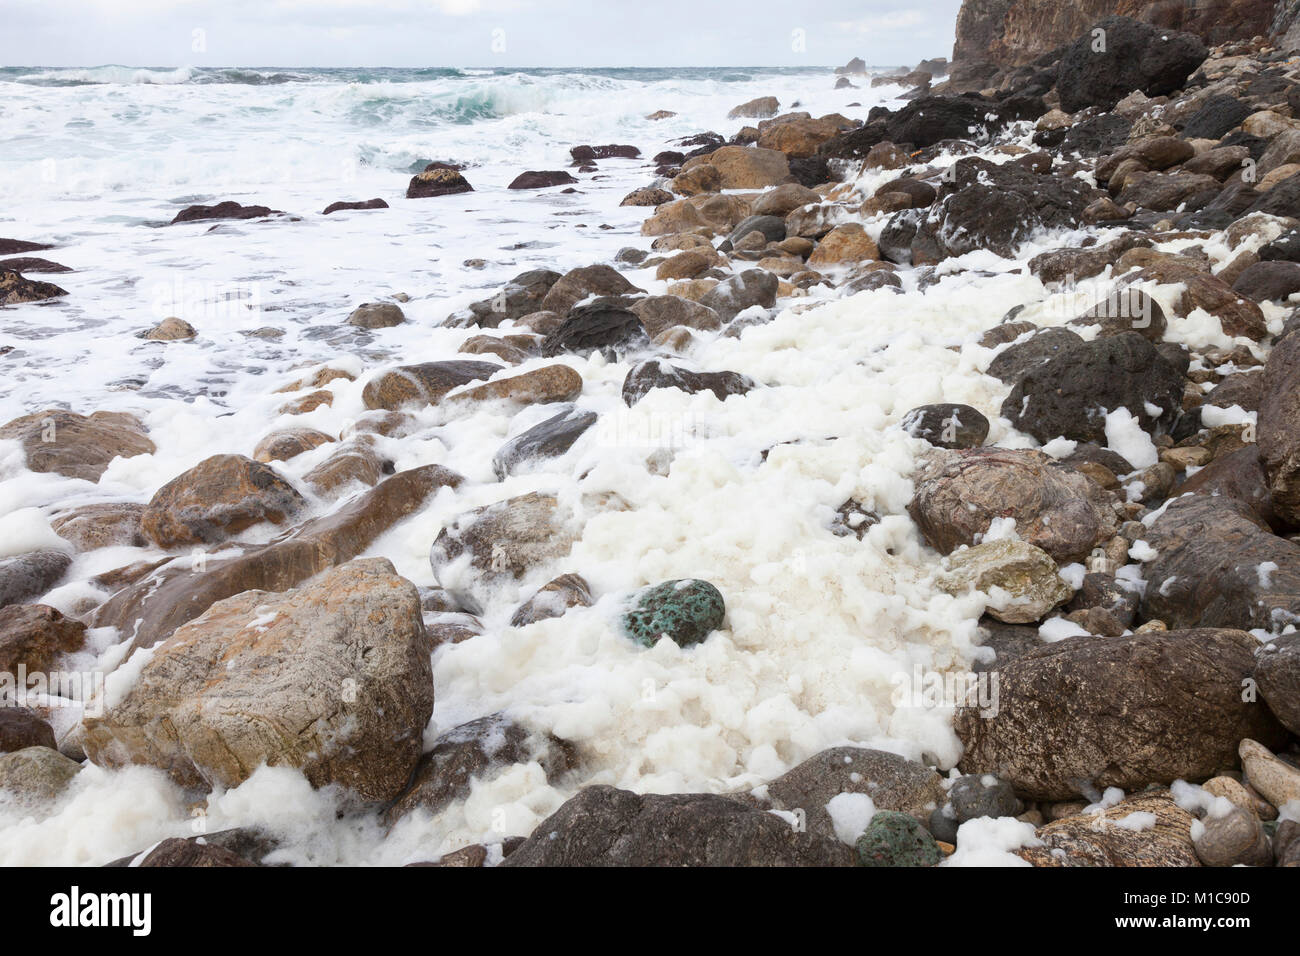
x=553, y=599
x=353, y=462
x=31, y=264
x=647, y=196
x=190, y=853
x=602, y=826
x=550, y=383
x=770, y=227
x=437, y=179
x=587, y=154
x=1022, y=580
x=377, y=315
x=783, y=200
x=289, y=443
x=1127, y=310
x=1137, y=56
x=541, y=179
x=760, y=108
x=947, y=426
x=171, y=329
x=896, y=839
x=476, y=750
x=423, y=384
x=1087, y=713
x=1069, y=395
x=578, y=284
x=1235, y=839
x=647, y=376
x=345, y=205
x=9, y=247
x=223, y=210
x=521, y=296
x=729, y=298
x=604, y=324
x=77, y=446
x=959, y=494
x=21, y=728
x=36, y=776
x=503, y=541
x=1265, y=281
x=155, y=605
x=1218, y=565
x=217, y=498
x=549, y=439
x=1278, y=677
x=332, y=678
x=686, y=611
x=1107, y=838
x=844, y=244
x=34, y=635
x=659, y=313
x=30, y=575
x=1059, y=265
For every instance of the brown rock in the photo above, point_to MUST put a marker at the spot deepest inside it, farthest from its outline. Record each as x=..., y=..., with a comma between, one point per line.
x=550, y=383
x=77, y=446
x=289, y=443
x=102, y=525
x=34, y=635
x=848, y=243
x=553, y=599
x=1099, y=839
x=423, y=384
x=217, y=498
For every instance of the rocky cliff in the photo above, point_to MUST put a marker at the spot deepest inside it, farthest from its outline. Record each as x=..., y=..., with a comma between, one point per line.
x=996, y=34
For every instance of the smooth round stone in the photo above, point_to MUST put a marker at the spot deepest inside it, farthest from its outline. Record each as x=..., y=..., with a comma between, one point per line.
x=896, y=839
x=685, y=610
x=982, y=795
x=1234, y=838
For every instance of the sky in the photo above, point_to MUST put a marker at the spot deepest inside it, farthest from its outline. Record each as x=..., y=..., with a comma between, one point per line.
x=473, y=33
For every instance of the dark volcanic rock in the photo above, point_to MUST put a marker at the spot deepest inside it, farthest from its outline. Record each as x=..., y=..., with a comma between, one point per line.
x=541, y=179
x=1267, y=280
x=548, y=439
x=646, y=376
x=947, y=426
x=223, y=210
x=585, y=154
x=603, y=826
x=364, y=204
x=1070, y=394
x=1217, y=117
x=438, y=179
x=1087, y=713
x=601, y=324
x=1136, y=56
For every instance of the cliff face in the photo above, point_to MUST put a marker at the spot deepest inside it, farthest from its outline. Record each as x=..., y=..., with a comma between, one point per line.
x=1007, y=33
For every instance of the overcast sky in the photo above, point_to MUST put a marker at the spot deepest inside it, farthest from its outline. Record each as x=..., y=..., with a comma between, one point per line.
x=472, y=32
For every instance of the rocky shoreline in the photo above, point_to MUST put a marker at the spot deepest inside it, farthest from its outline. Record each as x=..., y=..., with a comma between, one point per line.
x=1129, y=536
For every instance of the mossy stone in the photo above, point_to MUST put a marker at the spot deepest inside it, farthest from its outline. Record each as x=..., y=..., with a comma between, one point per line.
x=686, y=610
x=896, y=839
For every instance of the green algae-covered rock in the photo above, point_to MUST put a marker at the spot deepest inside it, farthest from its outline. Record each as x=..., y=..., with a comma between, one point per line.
x=896, y=839
x=686, y=610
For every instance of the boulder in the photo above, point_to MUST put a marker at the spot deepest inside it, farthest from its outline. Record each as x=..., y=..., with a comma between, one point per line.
x=1278, y=677
x=749, y=167
x=579, y=284
x=548, y=439
x=760, y=108
x=1070, y=394
x=223, y=210
x=423, y=384
x=332, y=679
x=603, y=826
x=100, y=525
x=153, y=607
x=1021, y=580
x=541, y=179
x=77, y=446
x=216, y=499
x=553, y=599
x=498, y=544
x=1087, y=713
x=1107, y=838
x=289, y=443
x=647, y=376
x=605, y=323
x=549, y=383
x=1279, y=428
x=36, y=776
x=1217, y=564
x=476, y=751
x=377, y=315
x=844, y=244
x=947, y=425
x=959, y=494
x=29, y=575
x=522, y=295
x=437, y=179
x=1134, y=56
x=34, y=635
x=659, y=313
x=345, y=205
x=753, y=287
x=20, y=728
x=684, y=611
